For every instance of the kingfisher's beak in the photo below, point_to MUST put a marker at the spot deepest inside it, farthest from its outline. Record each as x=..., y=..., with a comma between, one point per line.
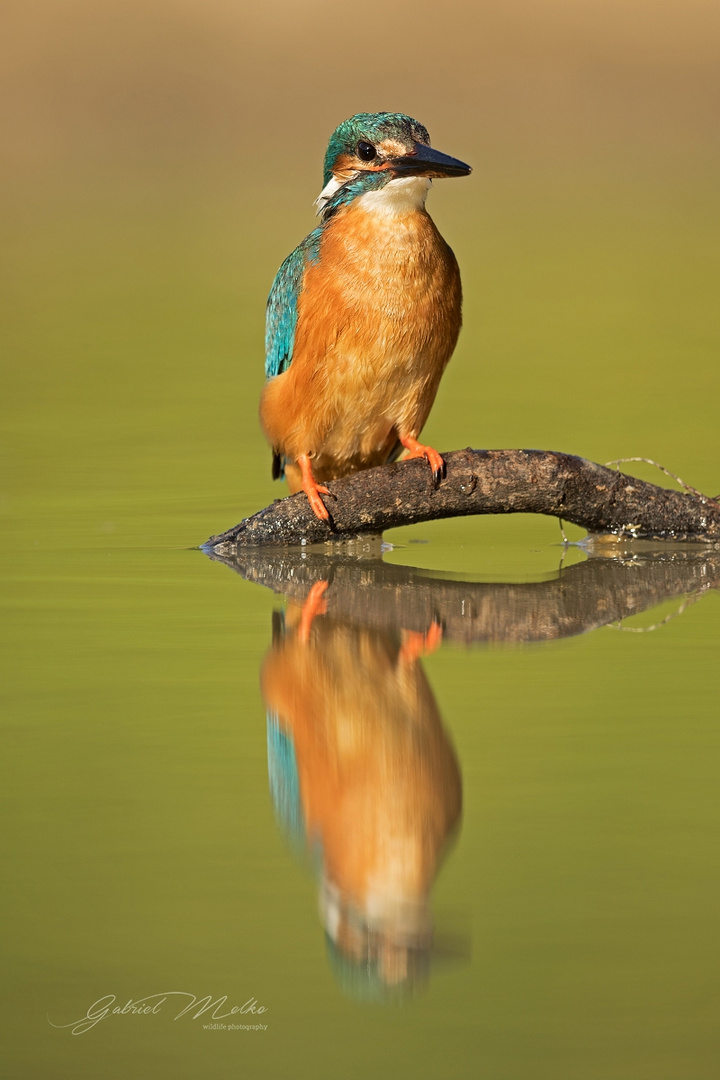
x=424, y=161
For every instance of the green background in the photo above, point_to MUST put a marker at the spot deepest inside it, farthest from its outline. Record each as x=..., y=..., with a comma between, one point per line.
x=160, y=162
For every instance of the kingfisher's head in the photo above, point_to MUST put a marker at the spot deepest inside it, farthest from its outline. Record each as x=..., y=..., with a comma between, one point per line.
x=379, y=148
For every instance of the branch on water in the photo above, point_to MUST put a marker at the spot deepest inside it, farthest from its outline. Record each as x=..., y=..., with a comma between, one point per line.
x=595, y=497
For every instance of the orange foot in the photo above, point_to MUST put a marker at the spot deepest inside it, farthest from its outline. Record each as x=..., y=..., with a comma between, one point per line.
x=418, y=450
x=416, y=645
x=314, y=605
x=312, y=489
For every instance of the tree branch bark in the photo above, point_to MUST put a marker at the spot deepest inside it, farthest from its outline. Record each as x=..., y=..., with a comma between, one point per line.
x=483, y=482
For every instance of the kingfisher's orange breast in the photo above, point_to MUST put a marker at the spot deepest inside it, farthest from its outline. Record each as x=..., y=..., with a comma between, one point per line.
x=378, y=318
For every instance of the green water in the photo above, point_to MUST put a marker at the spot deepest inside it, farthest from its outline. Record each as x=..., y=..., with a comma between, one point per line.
x=575, y=910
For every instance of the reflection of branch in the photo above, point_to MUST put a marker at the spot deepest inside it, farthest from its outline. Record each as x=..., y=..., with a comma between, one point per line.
x=381, y=596
x=686, y=602
x=484, y=482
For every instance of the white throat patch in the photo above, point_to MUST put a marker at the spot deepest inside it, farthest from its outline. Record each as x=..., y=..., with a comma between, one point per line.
x=399, y=196
x=327, y=193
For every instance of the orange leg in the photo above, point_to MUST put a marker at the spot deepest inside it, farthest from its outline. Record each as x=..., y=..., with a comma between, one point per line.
x=416, y=645
x=314, y=605
x=312, y=489
x=418, y=450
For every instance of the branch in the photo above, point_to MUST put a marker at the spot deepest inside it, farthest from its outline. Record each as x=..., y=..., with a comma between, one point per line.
x=388, y=598
x=483, y=482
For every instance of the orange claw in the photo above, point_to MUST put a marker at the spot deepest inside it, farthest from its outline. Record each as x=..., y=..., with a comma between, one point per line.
x=314, y=605
x=435, y=460
x=416, y=645
x=312, y=489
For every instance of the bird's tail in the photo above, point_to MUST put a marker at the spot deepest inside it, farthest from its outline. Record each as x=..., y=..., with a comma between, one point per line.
x=278, y=467
x=395, y=452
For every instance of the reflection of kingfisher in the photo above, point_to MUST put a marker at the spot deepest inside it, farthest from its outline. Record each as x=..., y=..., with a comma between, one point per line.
x=363, y=775
x=364, y=315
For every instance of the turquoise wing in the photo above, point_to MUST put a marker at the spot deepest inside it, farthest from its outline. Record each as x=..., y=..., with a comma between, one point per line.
x=285, y=782
x=281, y=314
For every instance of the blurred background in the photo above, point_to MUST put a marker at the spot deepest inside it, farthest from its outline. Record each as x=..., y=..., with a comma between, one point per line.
x=159, y=159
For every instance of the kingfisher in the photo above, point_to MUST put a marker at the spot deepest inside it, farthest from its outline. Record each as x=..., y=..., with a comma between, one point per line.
x=364, y=315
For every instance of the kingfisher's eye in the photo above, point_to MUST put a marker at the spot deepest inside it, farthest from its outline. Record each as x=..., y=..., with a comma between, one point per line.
x=366, y=151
